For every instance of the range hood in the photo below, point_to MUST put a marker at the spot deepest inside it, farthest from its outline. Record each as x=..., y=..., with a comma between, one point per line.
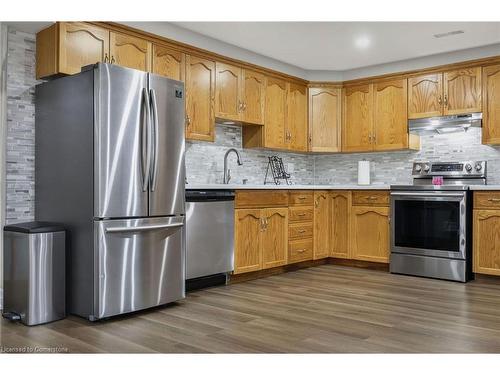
x=445, y=124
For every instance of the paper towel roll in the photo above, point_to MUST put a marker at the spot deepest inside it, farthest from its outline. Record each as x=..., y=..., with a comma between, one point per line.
x=363, y=172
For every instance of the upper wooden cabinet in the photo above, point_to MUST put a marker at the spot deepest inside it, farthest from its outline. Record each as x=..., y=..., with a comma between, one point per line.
x=296, y=120
x=168, y=62
x=254, y=97
x=425, y=96
x=449, y=93
x=491, y=104
x=64, y=48
x=357, y=127
x=390, y=117
x=324, y=119
x=200, y=92
x=130, y=51
x=275, y=113
x=228, y=92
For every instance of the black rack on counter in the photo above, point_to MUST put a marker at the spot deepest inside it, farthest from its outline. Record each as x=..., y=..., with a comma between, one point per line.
x=275, y=164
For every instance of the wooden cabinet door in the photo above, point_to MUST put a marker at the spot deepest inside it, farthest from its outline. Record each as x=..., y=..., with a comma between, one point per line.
x=390, y=116
x=275, y=113
x=340, y=203
x=200, y=92
x=275, y=237
x=296, y=121
x=228, y=101
x=425, y=96
x=247, y=240
x=168, y=62
x=81, y=44
x=491, y=104
x=370, y=233
x=130, y=51
x=486, y=247
x=322, y=233
x=254, y=97
x=462, y=91
x=324, y=119
x=357, y=127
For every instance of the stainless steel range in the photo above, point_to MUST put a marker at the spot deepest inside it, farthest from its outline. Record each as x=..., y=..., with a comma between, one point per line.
x=431, y=220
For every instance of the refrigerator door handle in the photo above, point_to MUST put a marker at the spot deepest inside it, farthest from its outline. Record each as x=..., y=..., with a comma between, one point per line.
x=154, y=105
x=143, y=228
x=146, y=138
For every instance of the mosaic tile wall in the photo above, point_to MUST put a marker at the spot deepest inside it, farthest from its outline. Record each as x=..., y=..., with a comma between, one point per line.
x=205, y=161
x=20, y=156
x=395, y=167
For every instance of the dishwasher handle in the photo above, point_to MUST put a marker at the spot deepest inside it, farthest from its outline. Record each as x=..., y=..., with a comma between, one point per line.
x=209, y=195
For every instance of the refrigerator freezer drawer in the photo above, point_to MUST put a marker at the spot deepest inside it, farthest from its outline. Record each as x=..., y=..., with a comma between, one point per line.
x=139, y=264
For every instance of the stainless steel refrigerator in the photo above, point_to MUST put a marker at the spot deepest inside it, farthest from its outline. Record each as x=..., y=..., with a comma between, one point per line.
x=109, y=159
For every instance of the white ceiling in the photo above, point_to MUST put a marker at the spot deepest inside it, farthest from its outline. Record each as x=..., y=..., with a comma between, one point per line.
x=332, y=45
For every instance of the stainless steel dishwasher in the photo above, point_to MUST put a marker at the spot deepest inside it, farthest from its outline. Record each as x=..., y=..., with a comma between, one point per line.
x=209, y=237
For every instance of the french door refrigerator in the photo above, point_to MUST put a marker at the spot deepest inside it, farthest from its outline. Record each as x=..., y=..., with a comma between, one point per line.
x=109, y=164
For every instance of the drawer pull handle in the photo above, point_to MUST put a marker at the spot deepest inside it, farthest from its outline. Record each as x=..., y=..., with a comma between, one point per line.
x=301, y=215
x=494, y=199
x=302, y=198
x=372, y=198
x=301, y=250
x=302, y=231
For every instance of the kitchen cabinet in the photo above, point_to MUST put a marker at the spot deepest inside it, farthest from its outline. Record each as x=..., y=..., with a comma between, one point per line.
x=369, y=226
x=486, y=247
x=449, y=93
x=261, y=239
x=274, y=237
x=200, y=94
x=130, y=51
x=301, y=226
x=65, y=47
x=228, y=91
x=340, y=206
x=275, y=113
x=296, y=121
x=325, y=119
x=168, y=62
x=390, y=117
x=247, y=240
x=491, y=105
x=357, y=127
x=370, y=233
x=322, y=222
x=254, y=96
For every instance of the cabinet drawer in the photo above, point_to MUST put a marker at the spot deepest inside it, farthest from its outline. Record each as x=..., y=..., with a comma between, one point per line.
x=487, y=199
x=300, y=214
x=261, y=198
x=301, y=198
x=300, y=230
x=370, y=198
x=300, y=250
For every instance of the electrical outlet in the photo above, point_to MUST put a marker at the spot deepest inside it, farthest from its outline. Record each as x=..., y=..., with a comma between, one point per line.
x=289, y=167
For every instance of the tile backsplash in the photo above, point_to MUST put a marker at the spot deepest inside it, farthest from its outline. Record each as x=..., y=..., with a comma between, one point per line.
x=204, y=160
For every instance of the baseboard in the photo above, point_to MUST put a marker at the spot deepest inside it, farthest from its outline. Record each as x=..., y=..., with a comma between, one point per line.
x=359, y=264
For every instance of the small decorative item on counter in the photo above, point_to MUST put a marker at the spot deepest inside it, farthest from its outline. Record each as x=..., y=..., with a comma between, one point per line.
x=437, y=180
x=363, y=172
x=275, y=164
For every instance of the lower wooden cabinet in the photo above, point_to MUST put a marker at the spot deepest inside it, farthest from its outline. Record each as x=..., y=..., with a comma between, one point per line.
x=261, y=239
x=369, y=233
x=486, y=246
x=322, y=228
x=340, y=210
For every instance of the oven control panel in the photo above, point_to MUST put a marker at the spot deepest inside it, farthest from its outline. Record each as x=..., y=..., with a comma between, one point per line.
x=472, y=168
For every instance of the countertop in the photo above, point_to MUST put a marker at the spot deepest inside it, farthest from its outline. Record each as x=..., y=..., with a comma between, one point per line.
x=485, y=187
x=287, y=187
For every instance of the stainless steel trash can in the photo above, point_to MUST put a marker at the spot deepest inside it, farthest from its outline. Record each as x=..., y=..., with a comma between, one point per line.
x=34, y=272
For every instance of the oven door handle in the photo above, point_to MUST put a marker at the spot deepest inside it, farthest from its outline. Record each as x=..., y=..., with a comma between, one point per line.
x=440, y=194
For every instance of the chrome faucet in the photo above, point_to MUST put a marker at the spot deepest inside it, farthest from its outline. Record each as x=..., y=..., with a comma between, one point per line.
x=227, y=172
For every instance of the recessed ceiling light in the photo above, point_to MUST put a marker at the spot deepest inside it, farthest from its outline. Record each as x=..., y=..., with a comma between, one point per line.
x=362, y=42
x=449, y=33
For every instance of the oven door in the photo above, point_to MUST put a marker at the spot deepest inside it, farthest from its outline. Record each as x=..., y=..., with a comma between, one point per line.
x=429, y=223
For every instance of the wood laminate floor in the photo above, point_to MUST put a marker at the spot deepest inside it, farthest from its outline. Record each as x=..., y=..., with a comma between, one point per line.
x=326, y=309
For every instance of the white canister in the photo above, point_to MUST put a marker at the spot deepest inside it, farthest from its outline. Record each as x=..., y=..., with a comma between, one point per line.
x=363, y=172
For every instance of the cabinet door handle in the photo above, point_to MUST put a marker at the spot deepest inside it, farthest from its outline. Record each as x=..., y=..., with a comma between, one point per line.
x=188, y=120
x=106, y=58
x=244, y=106
x=446, y=101
x=112, y=60
x=440, y=101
